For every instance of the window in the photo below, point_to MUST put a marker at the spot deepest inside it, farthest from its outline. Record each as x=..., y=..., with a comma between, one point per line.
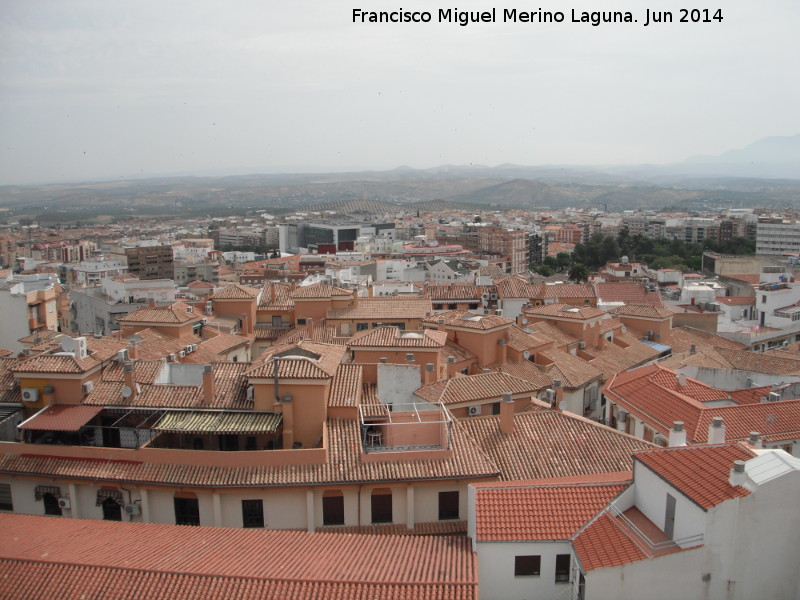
x=333, y=508
x=562, y=568
x=252, y=513
x=5, y=497
x=381, y=504
x=51, y=506
x=187, y=511
x=448, y=505
x=362, y=326
x=527, y=566
x=112, y=511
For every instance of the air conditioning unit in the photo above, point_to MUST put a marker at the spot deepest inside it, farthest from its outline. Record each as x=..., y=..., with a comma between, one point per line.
x=64, y=503
x=474, y=411
x=81, y=351
x=194, y=347
x=88, y=387
x=122, y=355
x=188, y=349
x=773, y=397
x=486, y=311
x=181, y=353
x=485, y=296
x=30, y=395
x=204, y=321
x=550, y=396
x=133, y=509
x=494, y=296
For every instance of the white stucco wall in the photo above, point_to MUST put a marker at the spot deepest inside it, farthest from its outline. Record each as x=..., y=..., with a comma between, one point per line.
x=496, y=571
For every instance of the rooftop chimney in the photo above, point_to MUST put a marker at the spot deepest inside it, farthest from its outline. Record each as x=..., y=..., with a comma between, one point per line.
x=428, y=375
x=677, y=435
x=601, y=341
x=755, y=439
x=451, y=359
x=738, y=475
x=355, y=297
x=716, y=431
x=507, y=414
x=208, y=385
x=129, y=380
x=503, y=350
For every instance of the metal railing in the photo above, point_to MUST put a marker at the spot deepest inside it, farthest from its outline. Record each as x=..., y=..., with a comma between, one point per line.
x=650, y=546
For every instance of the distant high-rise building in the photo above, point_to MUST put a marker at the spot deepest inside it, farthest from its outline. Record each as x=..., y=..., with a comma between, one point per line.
x=151, y=262
x=512, y=244
x=777, y=236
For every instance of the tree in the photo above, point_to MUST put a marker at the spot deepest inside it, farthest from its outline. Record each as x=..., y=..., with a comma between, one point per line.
x=578, y=273
x=544, y=270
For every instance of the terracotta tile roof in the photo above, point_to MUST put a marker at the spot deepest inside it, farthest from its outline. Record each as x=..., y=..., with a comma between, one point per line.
x=235, y=292
x=343, y=466
x=316, y=332
x=62, y=417
x=319, y=291
x=346, y=386
x=700, y=473
x=682, y=338
x=521, y=340
x=460, y=353
x=144, y=371
x=753, y=278
x=473, y=388
x=604, y=544
x=453, y=292
x=105, y=348
x=304, y=360
x=9, y=384
x=207, y=421
x=277, y=296
x=52, y=363
x=547, y=443
x=515, y=286
x=384, y=309
x=429, y=528
x=777, y=421
x=771, y=364
x=563, y=311
x=200, y=284
x=4, y=353
x=565, y=290
x=615, y=358
x=642, y=310
x=161, y=315
x=393, y=337
x=525, y=370
x=140, y=560
x=539, y=512
x=630, y=292
x=736, y=300
x=550, y=331
x=571, y=370
x=468, y=320
x=266, y=332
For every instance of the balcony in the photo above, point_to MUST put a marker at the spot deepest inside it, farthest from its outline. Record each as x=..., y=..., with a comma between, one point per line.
x=408, y=428
x=646, y=534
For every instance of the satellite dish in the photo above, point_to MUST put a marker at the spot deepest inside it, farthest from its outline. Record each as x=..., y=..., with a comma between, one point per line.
x=524, y=321
x=526, y=355
x=562, y=406
x=126, y=392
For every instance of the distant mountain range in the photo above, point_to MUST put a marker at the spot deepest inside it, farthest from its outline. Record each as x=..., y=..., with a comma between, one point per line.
x=765, y=173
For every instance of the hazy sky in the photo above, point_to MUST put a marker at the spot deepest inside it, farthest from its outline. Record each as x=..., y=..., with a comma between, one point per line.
x=103, y=88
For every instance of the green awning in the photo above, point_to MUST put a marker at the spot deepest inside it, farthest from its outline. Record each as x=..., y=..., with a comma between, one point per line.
x=195, y=421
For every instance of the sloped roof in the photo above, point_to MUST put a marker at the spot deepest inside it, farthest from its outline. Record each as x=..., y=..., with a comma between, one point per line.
x=319, y=291
x=548, y=443
x=539, y=512
x=515, y=286
x=526, y=370
x=451, y=292
x=140, y=560
x=276, y=296
x=53, y=363
x=304, y=360
x=571, y=370
x=564, y=290
x=176, y=313
x=468, y=320
x=642, y=310
x=62, y=417
x=394, y=337
x=200, y=422
x=384, y=309
x=564, y=311
x=700, y=473
x=630, y=292
x=472, y=388
x=604, y=544
x=346, y=386
x=235, y=292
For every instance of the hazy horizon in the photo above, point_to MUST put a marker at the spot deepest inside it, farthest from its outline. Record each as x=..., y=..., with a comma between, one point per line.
x=92, y=90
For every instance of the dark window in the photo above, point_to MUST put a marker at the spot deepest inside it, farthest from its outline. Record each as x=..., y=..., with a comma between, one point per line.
x=112, y=511
x=381, y=506
x=252, y=513
x=51, y=506
x=448, y=505
x=526, y=566
x=5, y=497
x=562, y=567
x=494, y=408
x=333, y=510
x=301, y=321
x=187, y=511
x=362, y=326
x=277, y=320
x=228, y=442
